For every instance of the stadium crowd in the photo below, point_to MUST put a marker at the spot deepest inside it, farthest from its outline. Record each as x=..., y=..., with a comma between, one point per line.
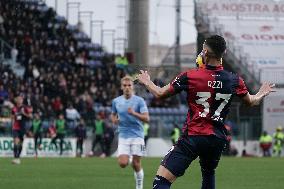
x=62, y=68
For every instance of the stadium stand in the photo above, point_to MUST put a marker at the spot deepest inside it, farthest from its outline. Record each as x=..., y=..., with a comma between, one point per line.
x=60, y=63
x=53, y=63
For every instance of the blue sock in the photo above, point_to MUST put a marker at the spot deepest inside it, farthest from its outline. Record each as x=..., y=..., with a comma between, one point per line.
x=161, y=183
x=208, y=179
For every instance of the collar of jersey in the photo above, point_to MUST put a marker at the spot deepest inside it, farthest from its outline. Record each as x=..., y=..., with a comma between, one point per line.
x=209, y=67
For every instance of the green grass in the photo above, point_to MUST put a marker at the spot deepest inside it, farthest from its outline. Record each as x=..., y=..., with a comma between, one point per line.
x=96, y=173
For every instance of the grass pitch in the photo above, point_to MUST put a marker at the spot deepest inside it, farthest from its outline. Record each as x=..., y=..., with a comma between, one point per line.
x=96, y=173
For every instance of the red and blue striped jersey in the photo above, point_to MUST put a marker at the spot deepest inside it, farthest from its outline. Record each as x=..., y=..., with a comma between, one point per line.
x=209, y=95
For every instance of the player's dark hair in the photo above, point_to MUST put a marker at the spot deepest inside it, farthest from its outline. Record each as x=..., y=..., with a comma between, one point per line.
x=217, y=44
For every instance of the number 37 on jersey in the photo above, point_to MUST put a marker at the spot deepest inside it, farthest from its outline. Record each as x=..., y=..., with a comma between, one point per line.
x=203, y=100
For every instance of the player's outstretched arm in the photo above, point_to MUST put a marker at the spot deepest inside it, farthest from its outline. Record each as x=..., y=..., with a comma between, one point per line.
x=158, y=92
x=265, y=89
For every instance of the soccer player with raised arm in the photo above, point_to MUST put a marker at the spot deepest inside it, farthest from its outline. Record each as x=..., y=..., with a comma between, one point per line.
x=209, y=95
x=129, y=112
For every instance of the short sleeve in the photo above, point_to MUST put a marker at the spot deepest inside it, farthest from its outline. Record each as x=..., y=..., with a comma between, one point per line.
x=113, y=107
x=142, y=106
x=241, y=89
x=180, y=83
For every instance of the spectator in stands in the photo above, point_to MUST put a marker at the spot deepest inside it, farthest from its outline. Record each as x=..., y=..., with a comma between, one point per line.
x=57, y=104
x=121, y=62
x=81, y=135
x=48, y=50
x=1, y=20
x=72, y=115
x=3, y=94
x=49, y=112
x=265, y=143
x=81, y=58
x=14, y=54
x=60, y=133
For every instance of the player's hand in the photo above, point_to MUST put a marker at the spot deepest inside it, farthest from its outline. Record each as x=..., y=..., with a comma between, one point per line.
x=116, y=120
x=130, y=111
x=266, y=88
x=143, y=77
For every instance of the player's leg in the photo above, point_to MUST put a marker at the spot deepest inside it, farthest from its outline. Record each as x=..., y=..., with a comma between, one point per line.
x=21, y=137
x=265, y=153
x=164, y=178
x=137, y=149
x=123, y=160
x=102, y=144
x=123, y=152
x=53, y=141
x=80, y=146
x=40, y=140
x=175, y=163
x=138, y=171
x=16, y=159
x=211, y=149
x=95, y=141
x=16, y=148
x=107, y=148
x=61, y=138
x=277, y=148
x=16, y=141
x=35, y=143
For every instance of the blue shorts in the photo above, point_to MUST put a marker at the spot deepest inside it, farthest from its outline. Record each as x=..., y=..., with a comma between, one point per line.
x=18, y=134
x=188, y=148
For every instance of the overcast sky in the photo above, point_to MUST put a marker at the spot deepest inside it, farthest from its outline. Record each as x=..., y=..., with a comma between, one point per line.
x=162, y=17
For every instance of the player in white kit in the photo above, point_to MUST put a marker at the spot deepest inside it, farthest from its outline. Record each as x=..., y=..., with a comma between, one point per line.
x=129, y=112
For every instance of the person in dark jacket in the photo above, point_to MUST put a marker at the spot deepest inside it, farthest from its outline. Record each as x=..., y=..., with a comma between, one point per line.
x=108, y=138
x=81, y=133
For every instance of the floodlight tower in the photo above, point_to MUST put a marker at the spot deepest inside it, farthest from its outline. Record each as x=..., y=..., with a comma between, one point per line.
x=138, y=32
x=177, y=34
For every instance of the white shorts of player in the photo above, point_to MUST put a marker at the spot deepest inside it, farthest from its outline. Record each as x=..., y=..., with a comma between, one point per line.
x=131, y=146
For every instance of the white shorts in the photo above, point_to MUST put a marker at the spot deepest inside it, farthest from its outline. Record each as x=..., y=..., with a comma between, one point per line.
x=131, y=146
